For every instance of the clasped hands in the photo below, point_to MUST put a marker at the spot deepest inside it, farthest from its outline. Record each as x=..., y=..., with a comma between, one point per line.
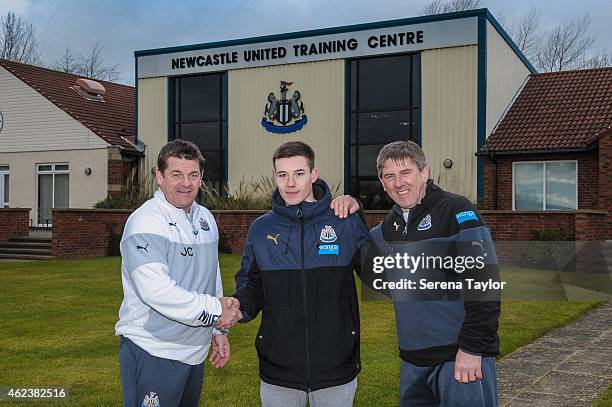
x=230, y=312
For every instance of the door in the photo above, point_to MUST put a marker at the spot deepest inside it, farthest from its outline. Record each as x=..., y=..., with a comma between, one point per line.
x=53, y=190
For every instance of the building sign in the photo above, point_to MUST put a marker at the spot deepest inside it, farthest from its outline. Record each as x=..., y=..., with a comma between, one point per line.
x=405, y=38
x=284, y=115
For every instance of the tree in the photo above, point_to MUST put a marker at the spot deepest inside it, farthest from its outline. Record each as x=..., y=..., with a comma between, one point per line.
x=600, y=59
x=92, y=66
x=66, y=63
x=566, y=46
x=17, y=40
x=449, y=6
x=525, y=33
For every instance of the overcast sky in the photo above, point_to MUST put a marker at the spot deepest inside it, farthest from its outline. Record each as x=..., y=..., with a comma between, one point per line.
x=128, y=25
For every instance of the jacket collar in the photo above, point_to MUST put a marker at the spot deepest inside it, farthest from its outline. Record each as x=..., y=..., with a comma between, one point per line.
x=159, y=195
x=304, y=210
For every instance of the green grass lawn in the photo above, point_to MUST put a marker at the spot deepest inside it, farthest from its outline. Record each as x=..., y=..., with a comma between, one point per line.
x=57, y=330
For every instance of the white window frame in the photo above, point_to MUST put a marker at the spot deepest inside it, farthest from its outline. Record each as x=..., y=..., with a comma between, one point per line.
x=2, y=174
x=53, y=171
x=514, y=164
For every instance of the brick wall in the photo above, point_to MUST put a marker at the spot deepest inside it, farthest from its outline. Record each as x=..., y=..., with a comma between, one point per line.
x=119, y=169
x=14, y=222
x=605, y=177
x=115, y=172
x=233, y=228
x=588, y=178
x=84, y=233
x=81, y=233
x=521, y=225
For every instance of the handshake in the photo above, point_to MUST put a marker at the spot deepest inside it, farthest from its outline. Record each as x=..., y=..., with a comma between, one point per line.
x=230, y=313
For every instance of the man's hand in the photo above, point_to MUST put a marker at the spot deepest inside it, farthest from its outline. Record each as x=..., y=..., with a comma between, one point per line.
x=467, y=367
x=220, y=351
x=230, y=312
x=344, y=205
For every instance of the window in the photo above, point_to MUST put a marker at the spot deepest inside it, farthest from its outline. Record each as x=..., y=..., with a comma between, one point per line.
x=53, y=190
x=4, y=186
x=200, y=116
x=545, y=186
x=384, y=107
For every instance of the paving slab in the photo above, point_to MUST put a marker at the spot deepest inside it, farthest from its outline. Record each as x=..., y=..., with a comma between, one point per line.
x=530, y=399
x=569, y=366
x=604, y=341
x=595, y=369
x=572, y=384
x=594, y=355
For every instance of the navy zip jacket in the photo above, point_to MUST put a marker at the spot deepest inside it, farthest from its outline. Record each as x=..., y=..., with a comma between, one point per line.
x=430, y=332
x=297, y=268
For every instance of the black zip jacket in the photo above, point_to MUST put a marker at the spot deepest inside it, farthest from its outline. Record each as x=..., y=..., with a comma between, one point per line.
x=297, y=268
x=430, y=332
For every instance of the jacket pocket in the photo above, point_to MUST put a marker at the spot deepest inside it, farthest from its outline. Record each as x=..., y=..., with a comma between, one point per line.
x=280, y=345
x=334, y=340
x=350, y=331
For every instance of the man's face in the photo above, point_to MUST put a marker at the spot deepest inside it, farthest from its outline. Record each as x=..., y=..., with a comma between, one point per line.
x=294, y=179
x=180, y=182
x=404, y=182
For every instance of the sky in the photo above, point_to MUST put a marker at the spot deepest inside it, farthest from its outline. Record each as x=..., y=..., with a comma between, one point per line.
x=124, y=26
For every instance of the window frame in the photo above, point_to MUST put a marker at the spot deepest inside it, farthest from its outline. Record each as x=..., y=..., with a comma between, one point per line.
x=4, y=172
x=177, y=123
x=543, y=162
x=413, y=106
x=52, y=172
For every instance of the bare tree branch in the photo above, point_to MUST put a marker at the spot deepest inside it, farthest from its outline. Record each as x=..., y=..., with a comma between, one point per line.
x=67, y=63
x=525, y=33
x=449, y=6
x=17, y=40
x=598, y=60
x=566, y=46
x=92, y=66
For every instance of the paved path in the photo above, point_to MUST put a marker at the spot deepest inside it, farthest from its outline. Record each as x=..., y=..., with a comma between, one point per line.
x=567, y=367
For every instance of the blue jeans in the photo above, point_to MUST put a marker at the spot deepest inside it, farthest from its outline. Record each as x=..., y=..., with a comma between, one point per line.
x=436, y=386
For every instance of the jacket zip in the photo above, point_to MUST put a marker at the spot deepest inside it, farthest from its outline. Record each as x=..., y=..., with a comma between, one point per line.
x=300, y=215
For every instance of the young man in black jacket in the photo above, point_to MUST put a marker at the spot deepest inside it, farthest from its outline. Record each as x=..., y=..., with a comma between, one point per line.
x=447, y=345
x=297, y=268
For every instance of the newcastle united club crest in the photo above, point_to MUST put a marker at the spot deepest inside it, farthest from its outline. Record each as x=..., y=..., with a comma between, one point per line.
x=284, y=115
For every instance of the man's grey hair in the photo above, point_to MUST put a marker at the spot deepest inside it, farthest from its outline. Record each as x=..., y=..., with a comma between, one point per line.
x=399, y=151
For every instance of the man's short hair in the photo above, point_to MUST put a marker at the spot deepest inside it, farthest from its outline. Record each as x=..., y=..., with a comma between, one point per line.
x=399, y=151
x=182, y=149
x=294, y=149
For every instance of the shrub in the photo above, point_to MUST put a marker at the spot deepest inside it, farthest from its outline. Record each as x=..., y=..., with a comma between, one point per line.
x=547, y=235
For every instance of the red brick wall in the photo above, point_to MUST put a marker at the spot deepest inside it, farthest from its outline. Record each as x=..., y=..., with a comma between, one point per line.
x=14, y=222
x=233, y=228
x=588, y=178
x=80, y=233
x=519, y=225
x=605, y=177
x=83, y=233
x=115, y=171
x=119, y=172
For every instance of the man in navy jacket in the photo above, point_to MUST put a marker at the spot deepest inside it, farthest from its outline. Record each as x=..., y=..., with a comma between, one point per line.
x=297, y=268
x=447, y=345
